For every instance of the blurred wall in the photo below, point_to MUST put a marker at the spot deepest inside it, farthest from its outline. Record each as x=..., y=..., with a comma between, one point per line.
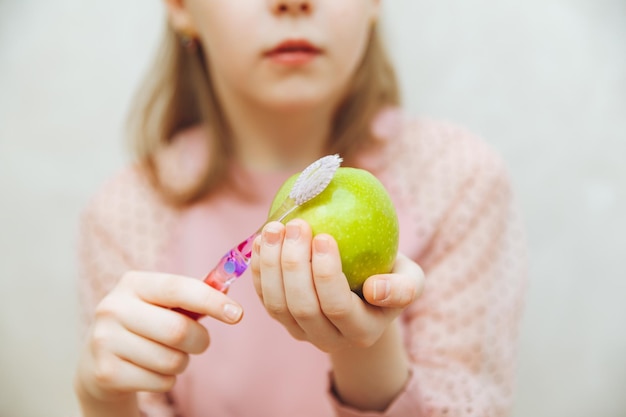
x=543, y=81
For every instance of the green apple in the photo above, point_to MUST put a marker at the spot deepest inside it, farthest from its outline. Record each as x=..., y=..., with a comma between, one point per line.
x=357, y=211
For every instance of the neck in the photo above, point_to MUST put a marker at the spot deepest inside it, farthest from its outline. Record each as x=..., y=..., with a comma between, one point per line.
x=271, y=139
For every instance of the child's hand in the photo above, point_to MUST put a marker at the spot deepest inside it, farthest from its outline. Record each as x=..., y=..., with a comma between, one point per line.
x=137, y=343
x=301, y=284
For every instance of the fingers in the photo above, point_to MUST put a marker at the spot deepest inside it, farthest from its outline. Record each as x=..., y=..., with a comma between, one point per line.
x=271, y=287
x=283, y=279
x=397, y=289
x=142, y=302
x=117, y=361
x=138, y=343
x=301, y=283
x=353, y=320
x=333, y=290
x=164, y=326
x=171, y=291
x=120, y=376
x=302, y=298
x=150, y=355
x=359, y=323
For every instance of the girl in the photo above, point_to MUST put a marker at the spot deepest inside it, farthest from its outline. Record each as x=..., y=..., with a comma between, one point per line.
x=244, y=94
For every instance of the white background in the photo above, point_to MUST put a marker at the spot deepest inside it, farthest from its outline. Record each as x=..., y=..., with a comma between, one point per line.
x=544, y=81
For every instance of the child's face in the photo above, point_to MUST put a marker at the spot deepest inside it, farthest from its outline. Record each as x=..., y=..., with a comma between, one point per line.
x=280, y=54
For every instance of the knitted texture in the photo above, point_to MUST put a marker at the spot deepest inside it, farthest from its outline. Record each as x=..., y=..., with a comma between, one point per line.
x=458, y=222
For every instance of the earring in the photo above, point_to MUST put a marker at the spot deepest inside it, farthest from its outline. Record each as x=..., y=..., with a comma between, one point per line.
x=189, y=42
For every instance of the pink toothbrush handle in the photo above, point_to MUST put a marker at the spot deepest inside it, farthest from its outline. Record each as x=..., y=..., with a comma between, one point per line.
x=311, y=181
x=232, y=265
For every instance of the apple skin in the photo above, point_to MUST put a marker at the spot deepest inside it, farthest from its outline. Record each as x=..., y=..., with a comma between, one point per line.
x=357, y=211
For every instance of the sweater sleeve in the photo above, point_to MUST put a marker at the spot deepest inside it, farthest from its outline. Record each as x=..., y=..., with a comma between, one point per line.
x=108, y=246
x=462, y=332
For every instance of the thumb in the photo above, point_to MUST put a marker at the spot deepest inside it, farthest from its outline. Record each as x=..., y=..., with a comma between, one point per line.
x=397, y=289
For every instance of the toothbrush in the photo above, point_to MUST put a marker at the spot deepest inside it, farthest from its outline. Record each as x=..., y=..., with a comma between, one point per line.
x=310, y=183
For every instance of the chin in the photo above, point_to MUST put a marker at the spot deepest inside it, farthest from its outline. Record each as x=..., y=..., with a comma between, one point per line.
x=298, y=99
x=295, y=105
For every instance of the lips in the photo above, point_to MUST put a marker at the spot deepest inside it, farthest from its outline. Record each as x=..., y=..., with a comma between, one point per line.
x=293, y=52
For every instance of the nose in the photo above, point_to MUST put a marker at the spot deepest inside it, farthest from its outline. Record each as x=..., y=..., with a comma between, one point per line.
x=291, y=7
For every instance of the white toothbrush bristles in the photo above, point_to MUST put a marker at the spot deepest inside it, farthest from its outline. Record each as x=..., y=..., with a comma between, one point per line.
x=315, y=178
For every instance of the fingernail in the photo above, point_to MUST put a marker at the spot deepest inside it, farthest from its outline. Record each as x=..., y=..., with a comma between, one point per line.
x=271, y=236
x=381, y=289
x=293, y=231
x=320, y=244
x=232, y=312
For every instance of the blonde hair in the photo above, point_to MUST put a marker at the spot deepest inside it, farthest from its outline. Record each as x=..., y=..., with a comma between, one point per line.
x=178, y=93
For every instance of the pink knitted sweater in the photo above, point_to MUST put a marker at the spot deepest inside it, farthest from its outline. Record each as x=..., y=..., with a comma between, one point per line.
x=457, y=221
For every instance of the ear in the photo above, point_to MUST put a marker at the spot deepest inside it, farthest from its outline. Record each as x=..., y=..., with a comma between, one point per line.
x=179, y=17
